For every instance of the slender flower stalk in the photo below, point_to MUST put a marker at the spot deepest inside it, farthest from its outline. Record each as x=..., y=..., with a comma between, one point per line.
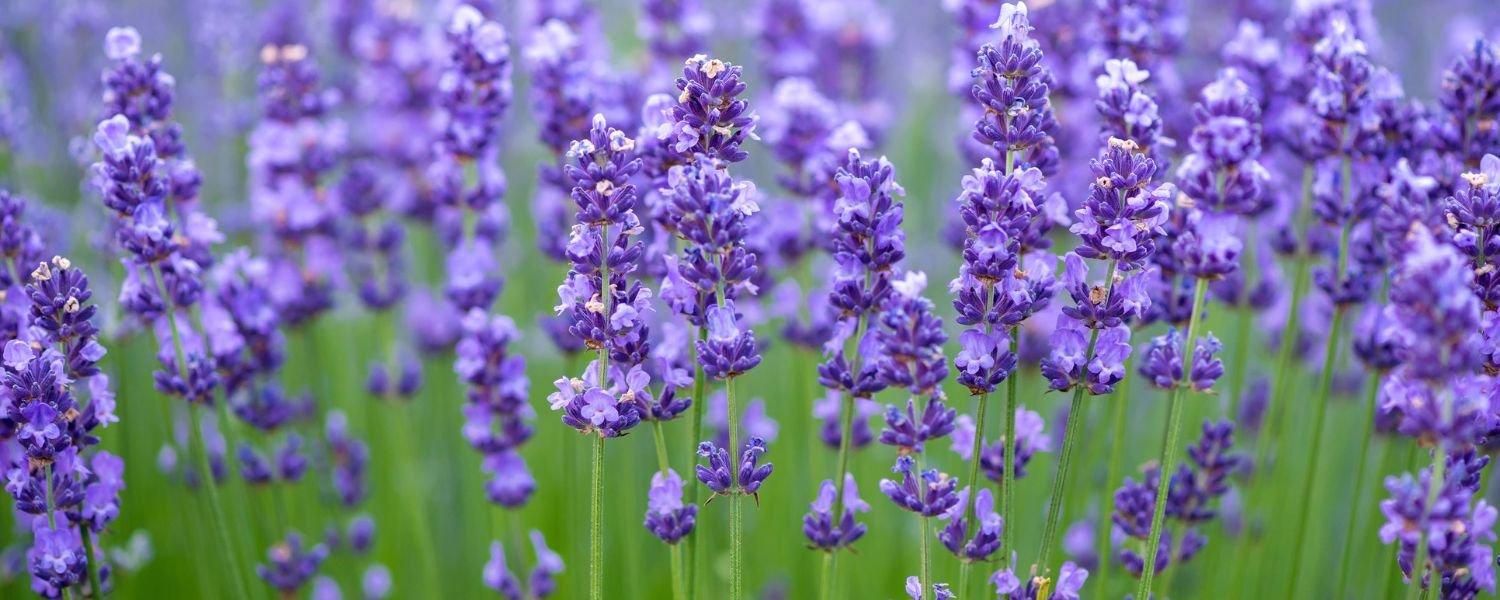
x=1169, y=445
x=1006, y=276
x=605, y=307
x=1119, y=222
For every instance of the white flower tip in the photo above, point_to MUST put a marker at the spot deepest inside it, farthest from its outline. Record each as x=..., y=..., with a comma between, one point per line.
x=465, y=18
x=122, y=42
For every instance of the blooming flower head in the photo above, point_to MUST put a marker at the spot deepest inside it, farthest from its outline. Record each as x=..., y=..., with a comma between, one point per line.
x=823, y=529
x=928, y=493
x=709, y=118
x=290, y=565
x=666, y=517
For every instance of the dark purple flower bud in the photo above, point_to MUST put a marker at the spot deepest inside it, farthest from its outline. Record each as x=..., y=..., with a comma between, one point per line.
x=909, y=433
x=253, y=467
x=548, y=564
x=361, y=534
x=349, y=459
x=709, y=118
x=1163, y=362
x=928, y=493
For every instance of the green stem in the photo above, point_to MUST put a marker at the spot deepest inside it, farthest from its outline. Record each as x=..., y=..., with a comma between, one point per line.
x=88, y=551
x=1371, y=388
x=926, y=558
x=1170, y=442
x=661, y=459
x=1008, y=465
x=1106, y=500
x=846, y=433
x=736, y=584
x=1320, y=407
x=197, y=442
x=1070, y=438
x=1434, y=484
x=596, y=527
x=825, y=587
x=695, y=423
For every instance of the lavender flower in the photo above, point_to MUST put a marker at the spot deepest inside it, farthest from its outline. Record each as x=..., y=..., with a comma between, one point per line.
x=1128, y=112
x=291, y=565
x=928, y=493
x=940, y=591
x=819, y=524
x=1459, y=529
x=986, y=538
x=1031, y=438
x=1011, y=86
x=475, y=89
x=1069, y=584
x=497, y=414
x=1473, y=212
x=867, y=243
x=1163, y=363
x=498, y=577
x=607, y=310
x=1123, y=212
x=666, y=517
x=1223, y=171
x=708, y=118
x=1470, y=97
x=720, y=477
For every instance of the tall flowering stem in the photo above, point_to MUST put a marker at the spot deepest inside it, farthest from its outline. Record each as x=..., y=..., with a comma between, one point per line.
x=1342, y=92
x=605, y=308
x=1120, y=222
x=867, y=243
x=1170, y=442
x=697, y=137
x=151, y=187
x=1001, y=282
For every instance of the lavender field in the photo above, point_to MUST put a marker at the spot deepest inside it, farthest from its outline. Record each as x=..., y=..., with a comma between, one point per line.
x=752, y=299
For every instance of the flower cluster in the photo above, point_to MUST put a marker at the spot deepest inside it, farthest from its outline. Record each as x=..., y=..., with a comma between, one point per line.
x=1436, y=314
x=607, y=310
x=1031, y=438
x=1128, y=112
x=497, y=415
x=709, y=118
x=986, y=538
x=666, y=517
x=293, y=150
x=928, y=493
x=1223, y=172
x=1459, y=527
x=541, y=583
x=723, y=479
x=1473, y=212
x=1192, y=493
x=1163, y=362
x=1470, y=101
x=1011, y=88
x=823, y=530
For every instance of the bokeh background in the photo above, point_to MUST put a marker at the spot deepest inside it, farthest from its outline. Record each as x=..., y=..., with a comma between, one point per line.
x=428, y=501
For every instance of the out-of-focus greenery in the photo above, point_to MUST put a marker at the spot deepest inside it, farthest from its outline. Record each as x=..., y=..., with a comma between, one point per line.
x=426, y=479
